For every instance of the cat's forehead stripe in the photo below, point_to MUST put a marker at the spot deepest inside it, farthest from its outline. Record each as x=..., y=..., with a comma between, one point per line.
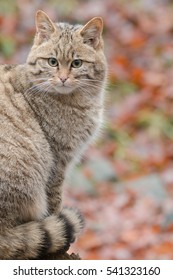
x=66, y=39
x=64, y=53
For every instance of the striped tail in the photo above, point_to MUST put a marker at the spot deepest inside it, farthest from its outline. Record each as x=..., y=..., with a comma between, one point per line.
x=34, y=239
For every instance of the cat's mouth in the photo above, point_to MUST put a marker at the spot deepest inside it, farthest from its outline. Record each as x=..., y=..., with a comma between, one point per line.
x=62, y=85
x=63, y=89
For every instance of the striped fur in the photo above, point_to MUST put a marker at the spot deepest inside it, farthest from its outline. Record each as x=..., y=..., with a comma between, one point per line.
x=48, y=116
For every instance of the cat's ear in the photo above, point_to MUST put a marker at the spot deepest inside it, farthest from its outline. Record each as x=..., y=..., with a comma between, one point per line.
x=92, y=31
x=44, y=27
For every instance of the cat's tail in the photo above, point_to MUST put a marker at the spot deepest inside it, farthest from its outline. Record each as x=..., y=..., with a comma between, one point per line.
x=34, y=239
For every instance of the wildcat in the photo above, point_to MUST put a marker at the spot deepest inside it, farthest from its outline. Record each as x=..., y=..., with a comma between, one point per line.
x=51, y=108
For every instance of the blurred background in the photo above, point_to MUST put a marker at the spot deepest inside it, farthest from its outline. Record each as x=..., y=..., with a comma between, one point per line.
x=124, y=184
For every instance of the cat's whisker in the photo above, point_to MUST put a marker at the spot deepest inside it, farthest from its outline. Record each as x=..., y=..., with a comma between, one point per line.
x=89, y=88
x=86, y=84
x=38, y=88
x=46, y=90
x=90, y=80
x=85, y=91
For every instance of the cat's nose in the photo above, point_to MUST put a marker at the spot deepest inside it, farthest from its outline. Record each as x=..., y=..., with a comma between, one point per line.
x=63, y=79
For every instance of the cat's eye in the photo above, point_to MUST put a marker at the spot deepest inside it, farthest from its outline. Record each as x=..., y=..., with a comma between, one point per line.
x=53, y=62
x=76, y=63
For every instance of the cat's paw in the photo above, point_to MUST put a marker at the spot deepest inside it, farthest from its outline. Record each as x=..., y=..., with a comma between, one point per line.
x=73, y=225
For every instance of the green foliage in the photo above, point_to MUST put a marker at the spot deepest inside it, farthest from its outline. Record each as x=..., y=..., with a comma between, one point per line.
x=64, y=7
x=7, y=46
x=7, y=7
x=120, y=89
x=156, y=122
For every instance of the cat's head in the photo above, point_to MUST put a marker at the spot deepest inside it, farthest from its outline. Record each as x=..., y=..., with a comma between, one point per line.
x=67, y=57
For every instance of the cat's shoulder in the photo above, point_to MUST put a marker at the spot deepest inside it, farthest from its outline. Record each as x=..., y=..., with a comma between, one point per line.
x=6, y=68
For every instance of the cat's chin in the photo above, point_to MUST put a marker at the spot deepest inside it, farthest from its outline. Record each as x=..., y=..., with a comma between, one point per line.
x=64, y=90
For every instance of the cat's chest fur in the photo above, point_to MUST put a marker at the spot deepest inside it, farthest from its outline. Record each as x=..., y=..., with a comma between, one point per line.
x=69, y=124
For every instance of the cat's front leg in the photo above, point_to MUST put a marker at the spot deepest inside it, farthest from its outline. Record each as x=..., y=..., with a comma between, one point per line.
x=54, y=194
